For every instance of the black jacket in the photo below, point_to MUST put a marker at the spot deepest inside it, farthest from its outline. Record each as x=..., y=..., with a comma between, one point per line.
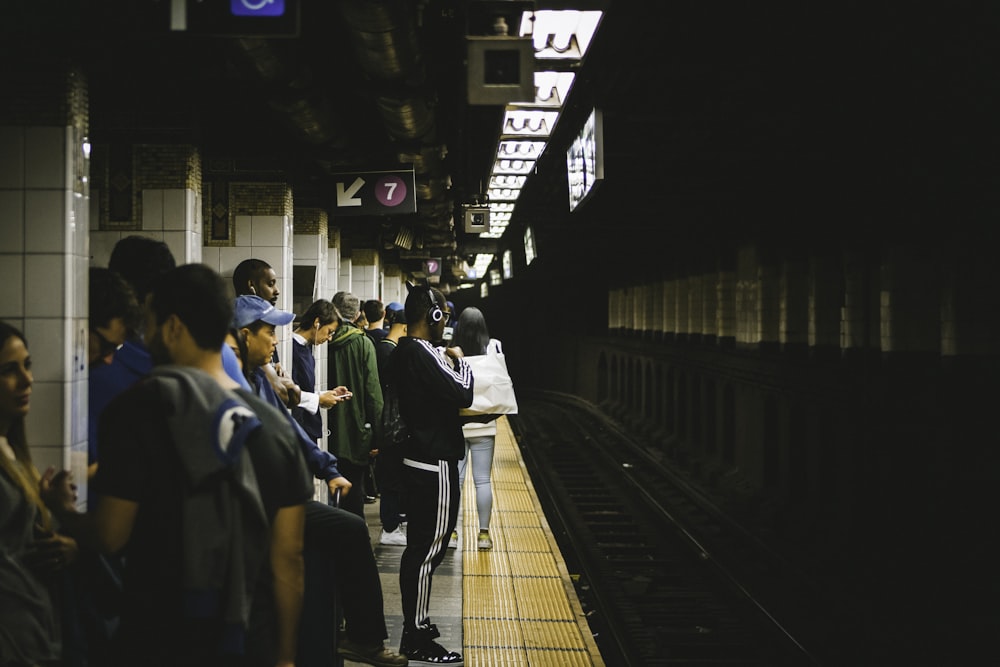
x=431, y=392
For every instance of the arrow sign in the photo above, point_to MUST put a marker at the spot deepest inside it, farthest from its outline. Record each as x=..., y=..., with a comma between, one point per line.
x=375, y=193
x=346, y=197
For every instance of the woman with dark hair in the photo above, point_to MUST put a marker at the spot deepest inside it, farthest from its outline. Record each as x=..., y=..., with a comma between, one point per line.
x=315, y=327
x=33, y=557
x=473, y=336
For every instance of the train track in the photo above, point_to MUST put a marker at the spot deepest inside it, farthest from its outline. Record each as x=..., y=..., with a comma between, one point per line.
x=665, y=576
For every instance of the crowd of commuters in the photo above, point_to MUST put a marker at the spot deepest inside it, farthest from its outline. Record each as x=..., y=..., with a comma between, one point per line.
x=204, y=456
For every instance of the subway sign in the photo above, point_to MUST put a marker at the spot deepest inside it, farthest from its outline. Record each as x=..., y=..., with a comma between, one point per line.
x=236, y=18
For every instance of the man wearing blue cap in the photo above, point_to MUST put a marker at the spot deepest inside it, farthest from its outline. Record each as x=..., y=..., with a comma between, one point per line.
x=333, y=536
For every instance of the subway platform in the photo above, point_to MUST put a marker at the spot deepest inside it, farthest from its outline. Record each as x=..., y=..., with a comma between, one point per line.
x=512, y=605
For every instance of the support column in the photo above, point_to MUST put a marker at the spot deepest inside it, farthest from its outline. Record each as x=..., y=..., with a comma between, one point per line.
x=747, y=297
x=793, y=326
x=393, y=284
x=725, y=320
x=366, y=274
x=260, y=216
x=911, y=301
x=333, y=263
x=44, y=255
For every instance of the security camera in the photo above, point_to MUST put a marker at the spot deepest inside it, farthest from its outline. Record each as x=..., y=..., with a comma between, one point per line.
x=477, y=219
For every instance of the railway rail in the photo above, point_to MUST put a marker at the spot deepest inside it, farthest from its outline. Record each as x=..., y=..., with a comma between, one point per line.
x=665, y=575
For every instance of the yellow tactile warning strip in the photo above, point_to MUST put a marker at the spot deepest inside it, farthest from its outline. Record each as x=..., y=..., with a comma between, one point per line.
x=518, y=603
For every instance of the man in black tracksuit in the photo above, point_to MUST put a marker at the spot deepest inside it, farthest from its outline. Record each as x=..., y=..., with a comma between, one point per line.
x=432, y=384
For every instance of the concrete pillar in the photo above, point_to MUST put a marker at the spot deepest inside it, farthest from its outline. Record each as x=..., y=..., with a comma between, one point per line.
x=793, y=318
x=44, y=252
x=696, y=305
x=670, y=306
x=859, y=321
x=768, y=303
x=310, y=249
x=393, y=284
x=826, y=293
x=333, y=263
x=366, y=274
x=910, y=301
x=710, y=304
x=656, y=311
x=725, y=320
x=747, y=296
x=261, y=219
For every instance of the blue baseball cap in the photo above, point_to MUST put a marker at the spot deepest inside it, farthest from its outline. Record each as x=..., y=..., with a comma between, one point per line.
x=249, y=308
x=394, y=305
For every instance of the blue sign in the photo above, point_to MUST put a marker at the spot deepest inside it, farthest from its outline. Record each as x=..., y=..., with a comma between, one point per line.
x=257, y=7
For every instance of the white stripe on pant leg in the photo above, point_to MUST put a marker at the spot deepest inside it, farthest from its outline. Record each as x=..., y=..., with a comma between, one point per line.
x=438, y=543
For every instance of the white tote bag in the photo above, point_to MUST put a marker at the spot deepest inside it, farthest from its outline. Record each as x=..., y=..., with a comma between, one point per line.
x=494, y=390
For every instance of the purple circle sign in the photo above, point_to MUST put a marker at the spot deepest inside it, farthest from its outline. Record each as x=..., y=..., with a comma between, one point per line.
x=390, y=190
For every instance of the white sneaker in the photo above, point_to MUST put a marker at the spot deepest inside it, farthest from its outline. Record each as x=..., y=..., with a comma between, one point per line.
x=484, y=543
x=453, y=542
x=396, y=538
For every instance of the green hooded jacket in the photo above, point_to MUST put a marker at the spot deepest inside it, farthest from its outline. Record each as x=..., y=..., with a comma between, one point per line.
x=351, y=362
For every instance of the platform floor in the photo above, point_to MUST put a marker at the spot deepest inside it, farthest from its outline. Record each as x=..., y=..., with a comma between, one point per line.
x=512, y=605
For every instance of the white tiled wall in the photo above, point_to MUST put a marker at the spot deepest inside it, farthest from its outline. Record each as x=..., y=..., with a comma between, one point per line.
x=365, y=273
x=268, y=238
x=44, y=255
x=393, y=288
x=343, y=277
x=168, y=215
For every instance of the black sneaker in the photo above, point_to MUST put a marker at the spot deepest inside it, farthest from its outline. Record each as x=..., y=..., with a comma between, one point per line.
x=431, y=653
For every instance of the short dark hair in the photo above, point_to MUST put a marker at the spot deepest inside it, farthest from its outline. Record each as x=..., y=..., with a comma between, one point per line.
x=373, y=309
x=111, y=296
x=197, y=295
x=322, y=309
x=246, y=271
x=139, y=260
x=420, y=300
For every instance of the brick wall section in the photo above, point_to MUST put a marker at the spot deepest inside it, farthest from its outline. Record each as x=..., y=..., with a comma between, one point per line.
x=261, y=199
x=310, y=221
x=167, y=167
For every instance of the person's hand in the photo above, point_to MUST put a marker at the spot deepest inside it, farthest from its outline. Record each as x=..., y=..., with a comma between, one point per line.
x=294, y=392
x=454, y=352
x=372, y=453
x=58, y=491
x=328, y=399
x=341, y=483
x=331, y=397
x=50, y=552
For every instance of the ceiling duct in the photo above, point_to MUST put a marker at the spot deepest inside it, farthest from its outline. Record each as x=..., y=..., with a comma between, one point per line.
x=290, y=85
x=388, y=50
x=385, y=42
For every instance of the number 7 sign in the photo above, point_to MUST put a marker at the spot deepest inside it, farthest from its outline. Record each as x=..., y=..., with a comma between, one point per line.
x=375, y=193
